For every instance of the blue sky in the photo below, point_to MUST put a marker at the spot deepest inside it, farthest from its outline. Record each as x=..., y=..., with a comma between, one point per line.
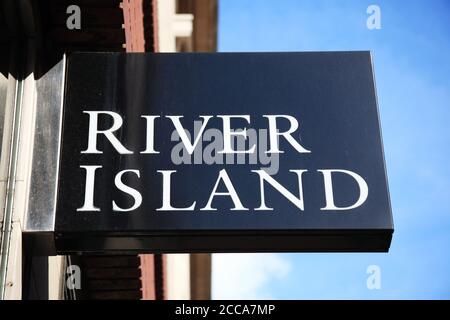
x=412, y=68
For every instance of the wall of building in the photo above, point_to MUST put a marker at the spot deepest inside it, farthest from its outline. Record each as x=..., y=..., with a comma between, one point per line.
x=106, y=25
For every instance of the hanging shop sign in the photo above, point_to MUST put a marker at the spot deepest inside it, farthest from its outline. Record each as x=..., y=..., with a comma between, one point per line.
x=233, y=152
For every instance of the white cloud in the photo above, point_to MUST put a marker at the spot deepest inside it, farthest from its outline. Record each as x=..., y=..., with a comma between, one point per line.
x=246, y=276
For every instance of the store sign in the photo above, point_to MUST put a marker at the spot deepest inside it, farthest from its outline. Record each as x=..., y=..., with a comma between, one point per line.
x=221, y=153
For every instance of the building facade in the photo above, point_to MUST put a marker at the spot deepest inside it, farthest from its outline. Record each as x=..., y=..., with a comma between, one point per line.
x=35, y=35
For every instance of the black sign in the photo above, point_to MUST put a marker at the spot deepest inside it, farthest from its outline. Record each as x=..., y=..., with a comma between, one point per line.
x=234, y=152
